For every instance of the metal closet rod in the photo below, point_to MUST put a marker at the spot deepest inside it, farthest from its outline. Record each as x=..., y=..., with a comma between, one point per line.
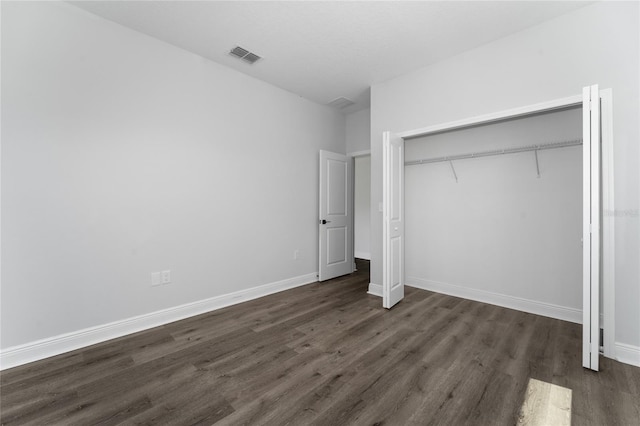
x=496, y=152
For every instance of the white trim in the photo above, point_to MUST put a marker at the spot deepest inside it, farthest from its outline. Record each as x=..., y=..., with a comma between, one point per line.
x=359, y=153
x=532, y=306
x=608, y=225
x=363, y=255
x=628, y=354
x=592, y=226
x=495, y=116
x=375, y=289
x=44, y=348
x=596, y=225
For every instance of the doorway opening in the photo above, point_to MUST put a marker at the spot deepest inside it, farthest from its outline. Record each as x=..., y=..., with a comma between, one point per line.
x=494, y=213
x=362, y=207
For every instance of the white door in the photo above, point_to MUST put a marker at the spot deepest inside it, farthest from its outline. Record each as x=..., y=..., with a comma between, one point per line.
x=591, y=227
x=393, y=220
x=336, y=216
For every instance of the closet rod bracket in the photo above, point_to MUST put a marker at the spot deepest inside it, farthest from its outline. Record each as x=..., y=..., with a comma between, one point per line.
x=453, y=170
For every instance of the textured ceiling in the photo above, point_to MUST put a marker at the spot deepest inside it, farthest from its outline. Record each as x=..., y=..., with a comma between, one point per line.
x=325, y=50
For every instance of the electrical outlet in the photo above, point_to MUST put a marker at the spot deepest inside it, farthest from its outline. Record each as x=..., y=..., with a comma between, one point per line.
x=166, y=276
x=155, y=279
x=296, y=254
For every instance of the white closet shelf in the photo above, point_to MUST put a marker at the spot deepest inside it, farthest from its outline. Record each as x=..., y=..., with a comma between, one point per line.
x=516, y=150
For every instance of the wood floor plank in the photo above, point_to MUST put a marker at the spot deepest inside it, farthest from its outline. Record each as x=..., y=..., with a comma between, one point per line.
x=325, y=354
x=492, y=402
x=49, y=385
x=25, y=372
x=191, y=401
x=124, y=394
x=37, y=409
x=280, y=395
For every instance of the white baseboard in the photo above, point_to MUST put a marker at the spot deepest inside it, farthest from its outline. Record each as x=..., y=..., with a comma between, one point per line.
x=375, y=290
x=628, y=354
x=362, y=255
x=512, y=302
x=44, y=348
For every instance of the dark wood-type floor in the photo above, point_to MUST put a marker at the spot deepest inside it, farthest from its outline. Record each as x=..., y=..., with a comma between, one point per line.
x=325, y=354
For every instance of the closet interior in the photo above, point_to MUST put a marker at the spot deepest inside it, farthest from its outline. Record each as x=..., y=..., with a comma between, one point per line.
x=494, y=212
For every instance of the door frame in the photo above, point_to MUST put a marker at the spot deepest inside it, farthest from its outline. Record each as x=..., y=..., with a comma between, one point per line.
x=607, y=319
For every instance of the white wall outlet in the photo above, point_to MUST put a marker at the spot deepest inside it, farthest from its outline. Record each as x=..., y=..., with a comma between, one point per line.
x=296, y=254
x=155, y=279
x=166, y=276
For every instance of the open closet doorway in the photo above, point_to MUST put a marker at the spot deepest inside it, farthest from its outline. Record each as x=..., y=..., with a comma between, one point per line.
x=490, y=217
x=394, y=214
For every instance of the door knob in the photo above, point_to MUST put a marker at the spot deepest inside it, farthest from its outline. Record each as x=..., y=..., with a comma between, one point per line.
x=324, y=222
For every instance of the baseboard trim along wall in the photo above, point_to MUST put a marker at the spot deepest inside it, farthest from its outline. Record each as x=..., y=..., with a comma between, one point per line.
x=375, y=289
x=506, y=301
x=628, y=354
x=45, y=348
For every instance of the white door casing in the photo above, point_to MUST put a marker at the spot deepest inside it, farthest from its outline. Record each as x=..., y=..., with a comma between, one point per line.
x=335, y=225
x=591, y=227
x=393, y=220
x=607, y=222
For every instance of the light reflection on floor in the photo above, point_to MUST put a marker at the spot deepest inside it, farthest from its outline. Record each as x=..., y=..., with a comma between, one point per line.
x=545, y=404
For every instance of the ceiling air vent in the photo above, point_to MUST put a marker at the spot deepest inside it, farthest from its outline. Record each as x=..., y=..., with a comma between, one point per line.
x=341, y=102
x=244, y=54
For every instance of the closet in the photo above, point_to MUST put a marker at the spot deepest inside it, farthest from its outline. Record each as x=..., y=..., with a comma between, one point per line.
x=494, y=213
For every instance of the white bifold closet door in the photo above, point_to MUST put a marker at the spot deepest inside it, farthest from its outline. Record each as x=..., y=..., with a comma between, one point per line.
x=591, y=227
x=393, y=220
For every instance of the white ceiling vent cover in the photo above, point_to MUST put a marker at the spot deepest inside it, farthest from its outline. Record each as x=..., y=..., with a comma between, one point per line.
x=341, y=102
x=244, y=54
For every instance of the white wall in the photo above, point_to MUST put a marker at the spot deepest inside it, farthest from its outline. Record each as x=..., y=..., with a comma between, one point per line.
x=358, y=133
x=500, y=230
x=548, y=61
x=362, y=214
x=123, y=155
